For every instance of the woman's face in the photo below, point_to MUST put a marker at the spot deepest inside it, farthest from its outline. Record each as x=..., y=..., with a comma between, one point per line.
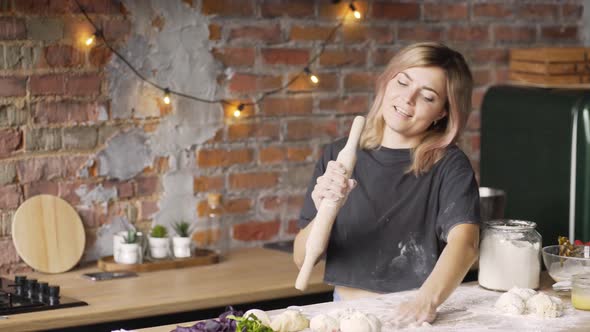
x=413, y=100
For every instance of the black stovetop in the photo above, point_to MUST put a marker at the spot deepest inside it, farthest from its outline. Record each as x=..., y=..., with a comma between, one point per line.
x=29, y=295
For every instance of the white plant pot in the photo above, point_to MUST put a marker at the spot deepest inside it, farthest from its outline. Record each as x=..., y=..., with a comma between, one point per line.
x=159, y=247
x=129, y=253
x=119, y=238
x=181, y=246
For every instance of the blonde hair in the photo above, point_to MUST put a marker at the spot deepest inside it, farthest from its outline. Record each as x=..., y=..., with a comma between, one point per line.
x=458, y=105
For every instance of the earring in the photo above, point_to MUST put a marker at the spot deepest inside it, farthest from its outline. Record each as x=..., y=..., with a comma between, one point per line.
x=434, y=123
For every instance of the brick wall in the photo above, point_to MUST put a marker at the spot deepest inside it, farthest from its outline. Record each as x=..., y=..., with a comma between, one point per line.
x=55, y=116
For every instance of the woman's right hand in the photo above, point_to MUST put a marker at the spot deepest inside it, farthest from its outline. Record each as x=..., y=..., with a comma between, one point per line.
x=333, y=185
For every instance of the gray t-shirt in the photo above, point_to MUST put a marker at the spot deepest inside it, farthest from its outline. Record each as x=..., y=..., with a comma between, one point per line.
x=391, y=230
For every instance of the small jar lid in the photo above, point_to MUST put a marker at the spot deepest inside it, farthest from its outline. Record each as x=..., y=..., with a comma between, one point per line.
x=510, y=225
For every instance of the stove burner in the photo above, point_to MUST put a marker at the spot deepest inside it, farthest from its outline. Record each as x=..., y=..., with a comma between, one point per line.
x=28, y=295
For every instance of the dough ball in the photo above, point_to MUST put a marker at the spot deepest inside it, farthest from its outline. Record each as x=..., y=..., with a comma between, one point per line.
x=324, y=323
x=289, y=321
x=545, y=306
x=510, y=303
x=524, y=293
x=359, y=322
x=261, y=315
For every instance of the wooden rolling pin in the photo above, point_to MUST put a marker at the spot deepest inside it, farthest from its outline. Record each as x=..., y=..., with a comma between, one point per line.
x=317, y=240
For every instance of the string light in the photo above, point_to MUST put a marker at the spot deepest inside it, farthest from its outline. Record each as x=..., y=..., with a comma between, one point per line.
x=355, y=12
x=314, y=79
x=166, y=96
x=168, y=92
x=239, y=110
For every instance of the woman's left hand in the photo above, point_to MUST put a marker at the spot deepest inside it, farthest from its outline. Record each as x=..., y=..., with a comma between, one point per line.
x=414, y=312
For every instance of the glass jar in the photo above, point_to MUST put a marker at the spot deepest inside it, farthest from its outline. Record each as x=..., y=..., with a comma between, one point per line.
x=581, y=291
x=219, y=234
x=509, y=255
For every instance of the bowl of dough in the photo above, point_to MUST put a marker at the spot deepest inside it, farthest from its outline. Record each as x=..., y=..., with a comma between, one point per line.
x=562, y=267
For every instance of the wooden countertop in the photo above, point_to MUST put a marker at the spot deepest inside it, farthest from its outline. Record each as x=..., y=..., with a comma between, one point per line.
x=247, y=275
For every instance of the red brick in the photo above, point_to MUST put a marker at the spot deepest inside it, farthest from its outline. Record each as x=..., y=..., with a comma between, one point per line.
x=147, y=210
x=504, y=33
x=382, y=56
x=420, y=33
x=292, y=227
x=560, y=33
x=342, y=10
x=202, y=208
x=490, y=55
x=256, y=230
x=160, y=165
x=92, y=217
x=347, y=105
x=501, y=75
x=35, y=169
x=124, y=189
x=235, y=56
x=299, y=32
x=437, y=12
x=65, y=112
x=360, y=81
x=67, y=190
x=204, y=184
x=477, y=97
x=267, y=34
x=305, y=129
x=271, y=203
x=116, y=29
x=84, y=85
x=474, y=121
x=328, y=82
x=285, y=56
x=147, y=186
x=468, y=33
x=214, y=31
x=50, y=84
x=272, y=155
x=572, y=11
x=256, y=180
x=481, y=76
x=12, y=28
x=538, y=11
x=243, y=131
x=10, y=196
x=13, y=86
x=343, y=58
x=40, y=187
x=8, y=254
x=228, y=7
x=91, y=6
x=360, y=34
x=63, y=56
x=396, y=11
x=298, y=154
x=287, y=106
x=247, y=110
x=11, y=141
x=245, y=83
x=492, y=10
x=239, y=205
x=276, y=8
x=222, y=158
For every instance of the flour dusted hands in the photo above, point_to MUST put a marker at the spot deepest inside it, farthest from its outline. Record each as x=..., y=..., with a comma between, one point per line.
x=332, y=185
x=414, y=313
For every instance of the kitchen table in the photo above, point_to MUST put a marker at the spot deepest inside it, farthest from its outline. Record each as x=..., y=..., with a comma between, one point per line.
x=469, y=309
x=247, y=275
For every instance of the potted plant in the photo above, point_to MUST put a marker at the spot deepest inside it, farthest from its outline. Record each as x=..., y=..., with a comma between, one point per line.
x=129, y=250
x=181, y=243
x=159, y=242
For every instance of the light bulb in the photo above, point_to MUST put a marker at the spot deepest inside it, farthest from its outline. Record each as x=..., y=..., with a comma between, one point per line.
x=314, y=79
x=238, y=111
x=355, y=12
x=166, y=96
x=90, y=40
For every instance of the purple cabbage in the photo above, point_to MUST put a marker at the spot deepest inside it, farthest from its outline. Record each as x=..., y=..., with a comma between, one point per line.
x=221, y=324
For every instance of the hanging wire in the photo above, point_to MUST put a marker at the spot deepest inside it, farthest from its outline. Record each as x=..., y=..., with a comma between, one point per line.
x=98, y=34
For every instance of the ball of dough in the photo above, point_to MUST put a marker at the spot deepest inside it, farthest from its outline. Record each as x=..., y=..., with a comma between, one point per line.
x=545, y=306
x=524, y=293
x=261, y=315
x=510, y=303
x=359, y=322
x=324, y=323
x=289, y=321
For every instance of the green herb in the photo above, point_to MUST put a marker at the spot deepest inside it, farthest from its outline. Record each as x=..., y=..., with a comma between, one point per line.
x=159, y=231
x=182, y=229
x=251, y=323
x=130, y=238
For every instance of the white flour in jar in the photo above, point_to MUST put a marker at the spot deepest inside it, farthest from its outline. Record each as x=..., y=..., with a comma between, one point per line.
x=507, y=261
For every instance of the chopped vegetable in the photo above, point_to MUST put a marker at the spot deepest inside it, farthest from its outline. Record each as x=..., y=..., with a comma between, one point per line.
x=251, y=323
x=221, y=324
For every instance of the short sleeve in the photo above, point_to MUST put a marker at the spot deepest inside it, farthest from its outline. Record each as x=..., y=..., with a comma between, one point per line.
x=309, y=211
x=458, y=195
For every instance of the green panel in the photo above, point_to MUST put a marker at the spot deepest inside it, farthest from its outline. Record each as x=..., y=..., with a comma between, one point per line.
x=583, y=173
x=525, y=150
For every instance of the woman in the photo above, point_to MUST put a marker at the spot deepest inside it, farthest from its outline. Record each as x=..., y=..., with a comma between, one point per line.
x=412, y=220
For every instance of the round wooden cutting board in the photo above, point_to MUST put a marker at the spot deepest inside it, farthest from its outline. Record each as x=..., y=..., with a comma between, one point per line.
x=48, y=234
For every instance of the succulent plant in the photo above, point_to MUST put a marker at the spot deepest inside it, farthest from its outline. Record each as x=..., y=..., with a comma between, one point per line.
x=182, y=229
x=159, y=231
x=131, y=237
